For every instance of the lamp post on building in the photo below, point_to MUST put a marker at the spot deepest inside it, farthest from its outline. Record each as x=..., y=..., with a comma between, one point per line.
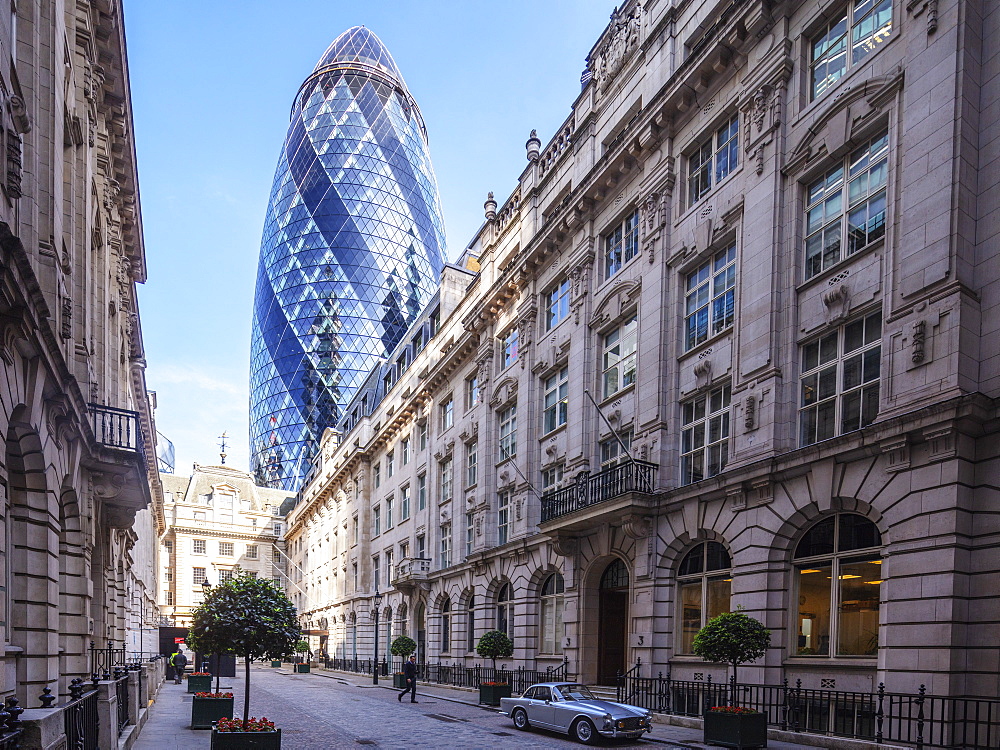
x=378, y=606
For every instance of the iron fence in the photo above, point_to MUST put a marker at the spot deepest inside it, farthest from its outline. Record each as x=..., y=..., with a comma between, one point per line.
x=80, y=720
x=457, y=675
x=121, y=690
x=104, y=660
x=591, y=489
x=918, y=719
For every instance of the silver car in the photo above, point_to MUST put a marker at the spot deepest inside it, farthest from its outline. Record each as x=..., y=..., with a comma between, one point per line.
x=572, y=708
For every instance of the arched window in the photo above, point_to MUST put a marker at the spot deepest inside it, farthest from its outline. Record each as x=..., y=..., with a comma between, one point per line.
x=470, y=624
x=388, y=634
x=704, y=586
x=615, y=576
x=552, y=614
x=446, y=626
x=352, y=636
x=838, y=567
x=504, y=609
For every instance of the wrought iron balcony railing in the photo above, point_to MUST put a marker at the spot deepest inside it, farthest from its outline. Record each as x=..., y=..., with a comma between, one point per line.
x=591, y=489
x=116, y=428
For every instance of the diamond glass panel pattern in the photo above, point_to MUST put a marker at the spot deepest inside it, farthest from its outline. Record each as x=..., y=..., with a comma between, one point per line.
x=352, y=249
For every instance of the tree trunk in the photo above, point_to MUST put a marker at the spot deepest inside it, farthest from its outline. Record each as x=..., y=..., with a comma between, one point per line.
x=217, y=662
x=246, y=691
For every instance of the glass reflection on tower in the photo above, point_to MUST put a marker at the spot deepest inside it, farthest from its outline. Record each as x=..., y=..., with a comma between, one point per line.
x=352, y=249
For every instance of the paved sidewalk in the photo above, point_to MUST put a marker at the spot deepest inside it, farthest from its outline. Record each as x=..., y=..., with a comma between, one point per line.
x=169, y=717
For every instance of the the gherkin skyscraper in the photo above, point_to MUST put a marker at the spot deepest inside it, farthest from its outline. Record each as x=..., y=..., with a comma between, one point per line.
x=353, y=247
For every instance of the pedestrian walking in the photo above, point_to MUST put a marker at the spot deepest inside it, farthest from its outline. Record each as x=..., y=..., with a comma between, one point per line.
x=410, y=673
x=178, y=661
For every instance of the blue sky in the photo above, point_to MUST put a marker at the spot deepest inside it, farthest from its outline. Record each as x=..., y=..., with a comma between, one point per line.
x=212, y=84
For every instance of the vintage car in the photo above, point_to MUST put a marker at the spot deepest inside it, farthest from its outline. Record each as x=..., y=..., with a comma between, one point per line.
x=572, y=708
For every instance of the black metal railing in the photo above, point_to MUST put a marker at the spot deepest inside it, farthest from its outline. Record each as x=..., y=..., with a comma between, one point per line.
x=116, y=428
x=10, y=724
x=458, y=675
x=121, y=690
x=590, y=489
x=80, y=721
x=104, y=660
x=918, y=719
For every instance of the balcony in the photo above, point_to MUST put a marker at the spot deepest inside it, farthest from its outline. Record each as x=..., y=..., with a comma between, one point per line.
x=117, y=463
x=622, y=487
x=412, y=573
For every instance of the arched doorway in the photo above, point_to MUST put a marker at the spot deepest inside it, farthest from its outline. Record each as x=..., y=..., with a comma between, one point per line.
x=612, y=629
x=421, y=627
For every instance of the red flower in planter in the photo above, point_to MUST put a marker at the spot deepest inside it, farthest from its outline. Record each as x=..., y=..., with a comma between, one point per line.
x=213, y=695
x=494, y=684
x=253, y=724
x=733, y=710
x=199, y=674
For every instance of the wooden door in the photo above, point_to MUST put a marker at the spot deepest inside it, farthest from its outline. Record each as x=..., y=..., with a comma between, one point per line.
x=612, y=635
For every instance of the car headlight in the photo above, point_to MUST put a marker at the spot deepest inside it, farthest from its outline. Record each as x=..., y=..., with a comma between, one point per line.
x=648, y=718
x=608, y=721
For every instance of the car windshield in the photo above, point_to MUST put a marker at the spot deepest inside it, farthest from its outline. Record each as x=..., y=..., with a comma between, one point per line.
x=576, y=693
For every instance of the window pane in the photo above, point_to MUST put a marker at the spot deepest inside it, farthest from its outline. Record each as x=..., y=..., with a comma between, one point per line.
x=819, y=539
x=718, y=596
x=693, y=561
x=690, y=615
x=814, y=609
x=858, y=606
x=857, y=532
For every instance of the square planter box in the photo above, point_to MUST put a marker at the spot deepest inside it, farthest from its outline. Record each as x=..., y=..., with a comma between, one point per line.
x=491, y=694
x=302, y=668
x=275, y=663
x=741, y=731
x=246, y=740
x=206, y=711
x=399, y=680
x=199, y=684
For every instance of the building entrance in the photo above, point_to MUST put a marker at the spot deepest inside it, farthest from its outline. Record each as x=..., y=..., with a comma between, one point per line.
x=612, y=631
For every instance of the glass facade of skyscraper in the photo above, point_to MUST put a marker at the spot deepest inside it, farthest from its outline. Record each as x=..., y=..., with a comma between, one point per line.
x=353, y=247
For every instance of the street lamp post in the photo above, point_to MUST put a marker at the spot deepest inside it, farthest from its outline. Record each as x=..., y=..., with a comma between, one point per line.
x=378, y=606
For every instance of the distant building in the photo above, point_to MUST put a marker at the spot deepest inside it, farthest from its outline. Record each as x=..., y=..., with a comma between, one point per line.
x=218, y=523
x=352, y=248
x=733, y=342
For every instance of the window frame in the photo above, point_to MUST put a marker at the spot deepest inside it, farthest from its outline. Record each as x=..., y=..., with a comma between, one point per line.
x=621, y=243
x=703, y=576
x=556, y=601
x=626, y=340
x=504, y=608
x=709, y=418
x=507, y=431
x=503, y=517
x=224, y=546
x=713, y=158
x=446, y=479
x=834, y=188
x=404, y=503
x=199, y=547
x=473, y=394
x=448, y=413
x=557, y=303
x=710, y=295
x=445, y=545
x=471, y=463
x=555, y=414
x=838, y=364
x=837, y=558
x=509, y=348
x=849, y=44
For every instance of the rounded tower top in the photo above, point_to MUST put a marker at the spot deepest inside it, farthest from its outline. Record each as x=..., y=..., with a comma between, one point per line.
x=358, y=46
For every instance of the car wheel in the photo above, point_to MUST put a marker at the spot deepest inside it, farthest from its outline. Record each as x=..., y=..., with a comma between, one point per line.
x=583, y=730
x=520, y=719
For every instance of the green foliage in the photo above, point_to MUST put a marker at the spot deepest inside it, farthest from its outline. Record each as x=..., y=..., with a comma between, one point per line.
x=246, y=616
x=732, y=637
x=494, y=645
x=403, y=646
x=301, y=647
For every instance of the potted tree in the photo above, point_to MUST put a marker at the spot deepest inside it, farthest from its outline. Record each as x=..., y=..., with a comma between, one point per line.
x=255, y=620
x=403, y=646
x=208, y=707
x=301, y=663
x=733, y=638
x=494, y=645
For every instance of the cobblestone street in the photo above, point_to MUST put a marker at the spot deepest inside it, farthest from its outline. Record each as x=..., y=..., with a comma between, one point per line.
x=330, y=709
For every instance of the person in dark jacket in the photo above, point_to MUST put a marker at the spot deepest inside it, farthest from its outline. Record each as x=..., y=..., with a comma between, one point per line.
x=410, y=673
x=178, y=661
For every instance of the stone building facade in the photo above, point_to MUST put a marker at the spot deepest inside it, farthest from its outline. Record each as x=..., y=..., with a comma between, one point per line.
x=730, y=342
x=218, y=524
x=80, y=492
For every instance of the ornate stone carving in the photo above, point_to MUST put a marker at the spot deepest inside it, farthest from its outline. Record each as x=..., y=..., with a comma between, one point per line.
x=637, y=526
x=490, y=207
x=620, y=41
x=565, y=545
x=66, y=322
x=918, y=340
x=750, y=412
x=533, y=146
x=13, y=164
x=703, y=372
x=897, y=453
x=838, y=303
x=917, y=7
